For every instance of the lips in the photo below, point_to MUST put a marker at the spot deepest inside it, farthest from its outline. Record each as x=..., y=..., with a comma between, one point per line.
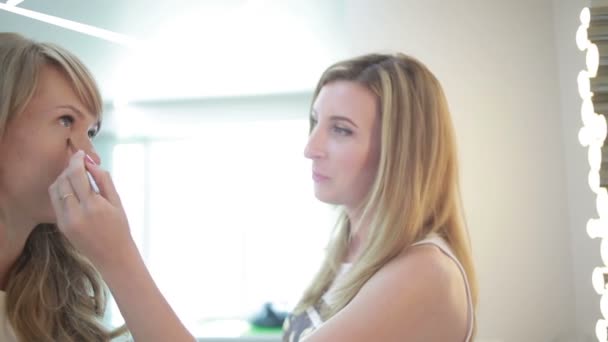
x=319, y=177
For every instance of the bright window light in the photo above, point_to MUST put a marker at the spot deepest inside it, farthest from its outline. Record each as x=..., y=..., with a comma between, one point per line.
x=226, y=220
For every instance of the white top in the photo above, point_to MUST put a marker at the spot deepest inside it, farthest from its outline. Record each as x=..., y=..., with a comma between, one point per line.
x=328, y=297
x=6, y=332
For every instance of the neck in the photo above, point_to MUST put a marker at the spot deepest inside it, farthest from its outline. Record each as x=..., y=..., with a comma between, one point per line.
x=359, y=228
x=13, y=235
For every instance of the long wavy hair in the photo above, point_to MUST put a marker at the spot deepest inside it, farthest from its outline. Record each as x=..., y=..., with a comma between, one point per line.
x=416, y=188
x=53, y=292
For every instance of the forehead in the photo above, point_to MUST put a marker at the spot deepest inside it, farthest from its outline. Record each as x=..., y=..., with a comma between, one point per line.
x=346, y=98
x=53, y=90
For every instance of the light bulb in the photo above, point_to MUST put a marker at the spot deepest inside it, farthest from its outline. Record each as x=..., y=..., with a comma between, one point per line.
x=584, y=86
x=592, y=59
x=585, y=17
x=587, y=111
x=601, y=330
x=582, y=39
x=604, y=253
x=594, y=228
x=601, y=203
x=604, y=305
x=599, y=129
x=584, y=136
x=594, y=156
x=594, y=181
x=598, y=279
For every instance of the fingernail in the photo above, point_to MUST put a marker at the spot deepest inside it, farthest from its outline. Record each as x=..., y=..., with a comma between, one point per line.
x=90, y=160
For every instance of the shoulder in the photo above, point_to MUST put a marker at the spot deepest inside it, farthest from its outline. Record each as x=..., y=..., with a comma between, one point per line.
x=426, y=265
x=426, y=272
x=418, y=296
x=427, y=287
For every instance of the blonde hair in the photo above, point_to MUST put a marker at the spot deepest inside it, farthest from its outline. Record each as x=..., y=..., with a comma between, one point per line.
x=416, y=188
x=53, y=292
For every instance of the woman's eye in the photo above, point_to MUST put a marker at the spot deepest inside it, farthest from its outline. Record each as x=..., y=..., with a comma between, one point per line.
x=342, y=131
x=92, y=133
x=66, y=121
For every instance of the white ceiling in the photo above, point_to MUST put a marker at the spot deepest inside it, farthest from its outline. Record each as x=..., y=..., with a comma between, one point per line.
x=194, y=48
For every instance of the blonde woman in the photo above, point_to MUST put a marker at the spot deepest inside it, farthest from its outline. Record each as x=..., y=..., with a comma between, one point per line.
x=399, y=267
x=50, y=108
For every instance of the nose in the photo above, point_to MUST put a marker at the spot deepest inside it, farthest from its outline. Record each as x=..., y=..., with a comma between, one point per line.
x=315, y=147
x=86, y=145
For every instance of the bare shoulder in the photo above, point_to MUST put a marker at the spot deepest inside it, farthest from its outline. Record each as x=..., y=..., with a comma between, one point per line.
x=428, y=286
x=425, y=264
x=418, y=296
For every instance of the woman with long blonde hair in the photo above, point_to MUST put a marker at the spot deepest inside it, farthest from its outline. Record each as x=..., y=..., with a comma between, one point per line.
x=399, y=266
x=50, y=110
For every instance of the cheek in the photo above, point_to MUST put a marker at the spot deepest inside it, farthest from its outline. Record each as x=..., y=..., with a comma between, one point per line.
x=353, y=160
x=42, y=163
x=32, y=159
x=360, y=167
x=54, y=161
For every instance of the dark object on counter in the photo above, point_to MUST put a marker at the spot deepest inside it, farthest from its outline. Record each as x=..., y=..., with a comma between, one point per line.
x=269, y=317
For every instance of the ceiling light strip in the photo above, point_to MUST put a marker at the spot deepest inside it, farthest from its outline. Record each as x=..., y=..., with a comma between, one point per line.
x=72, y=25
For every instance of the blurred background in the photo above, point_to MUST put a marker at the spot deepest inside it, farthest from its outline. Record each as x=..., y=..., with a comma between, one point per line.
x=205, y=121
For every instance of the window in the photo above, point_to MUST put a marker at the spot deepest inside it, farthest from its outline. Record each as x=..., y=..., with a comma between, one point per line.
x=226, y=220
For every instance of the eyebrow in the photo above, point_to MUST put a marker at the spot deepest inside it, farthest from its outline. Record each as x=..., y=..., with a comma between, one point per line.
x=335, y=118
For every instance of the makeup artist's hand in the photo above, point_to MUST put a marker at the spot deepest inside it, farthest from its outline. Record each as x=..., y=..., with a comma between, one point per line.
x=96, y=224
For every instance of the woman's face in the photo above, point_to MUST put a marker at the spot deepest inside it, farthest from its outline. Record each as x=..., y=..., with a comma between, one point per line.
x=344, y=144
x=35, y=149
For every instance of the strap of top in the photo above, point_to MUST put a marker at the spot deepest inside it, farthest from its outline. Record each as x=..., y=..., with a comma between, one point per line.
x=438, y=241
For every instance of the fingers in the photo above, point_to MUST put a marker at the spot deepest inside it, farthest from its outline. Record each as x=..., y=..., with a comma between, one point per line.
x=70, y=191
x=84, y=188
x=78, y=179
x=63, y=199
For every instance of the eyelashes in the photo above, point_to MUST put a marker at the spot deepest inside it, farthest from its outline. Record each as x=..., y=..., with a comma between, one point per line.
x=68, y=121
x=336, y=129
x=93, y=131
x=342, y=131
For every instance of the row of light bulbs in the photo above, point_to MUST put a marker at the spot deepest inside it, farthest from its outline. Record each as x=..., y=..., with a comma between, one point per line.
x=592, y=135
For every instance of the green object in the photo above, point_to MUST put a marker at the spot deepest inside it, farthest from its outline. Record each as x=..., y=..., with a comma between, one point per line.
x=256, y=330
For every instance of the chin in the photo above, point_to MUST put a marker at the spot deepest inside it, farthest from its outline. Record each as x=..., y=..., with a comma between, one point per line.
x=326, y=198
